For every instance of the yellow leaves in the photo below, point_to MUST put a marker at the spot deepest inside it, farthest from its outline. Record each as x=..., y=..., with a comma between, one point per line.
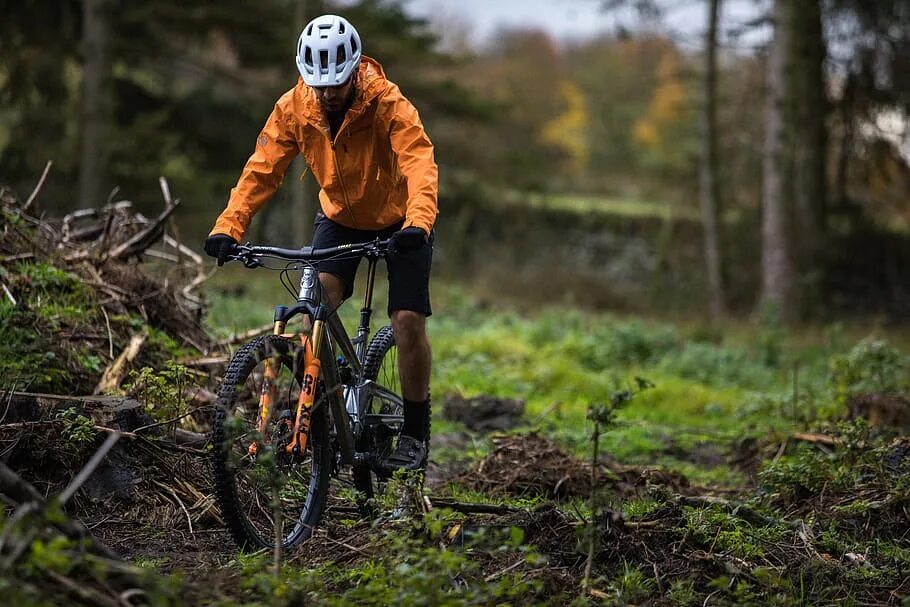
x=667, y=104
x=568, y=131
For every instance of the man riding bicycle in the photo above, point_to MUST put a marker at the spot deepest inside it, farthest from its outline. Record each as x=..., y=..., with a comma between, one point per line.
x=371, y=156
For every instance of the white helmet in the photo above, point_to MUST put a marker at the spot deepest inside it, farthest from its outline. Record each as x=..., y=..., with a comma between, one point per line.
x=328, y=51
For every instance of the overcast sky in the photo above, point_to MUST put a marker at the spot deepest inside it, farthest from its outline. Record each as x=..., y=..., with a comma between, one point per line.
x=568, y=20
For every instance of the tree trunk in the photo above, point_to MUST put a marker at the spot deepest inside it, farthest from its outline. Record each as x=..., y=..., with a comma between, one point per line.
x=777, y=264
x=709, y=190
x=793, y=199
x=95, y=103
x=806, y=54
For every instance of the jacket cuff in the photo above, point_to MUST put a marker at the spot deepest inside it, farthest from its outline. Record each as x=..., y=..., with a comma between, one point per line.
x=228, y=230
x=415, y=222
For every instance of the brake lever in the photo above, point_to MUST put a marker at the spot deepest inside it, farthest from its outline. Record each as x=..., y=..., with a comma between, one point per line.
x=251, y=262
x=243, y=256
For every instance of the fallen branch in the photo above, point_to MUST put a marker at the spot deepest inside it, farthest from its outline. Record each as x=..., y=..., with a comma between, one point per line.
x=107, y=411
x=239, y=337
x=472, y=508
x=207, y=361
x=116, y=371
x=145, y=238
x=822, y=439
x=89, y=468
x=22, y=493
x=17, y=257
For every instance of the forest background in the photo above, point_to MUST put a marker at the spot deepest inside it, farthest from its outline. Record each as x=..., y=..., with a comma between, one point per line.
x=689, y=173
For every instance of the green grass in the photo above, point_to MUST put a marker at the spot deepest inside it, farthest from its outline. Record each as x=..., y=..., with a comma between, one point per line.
x=711, y=387
x=602, y=205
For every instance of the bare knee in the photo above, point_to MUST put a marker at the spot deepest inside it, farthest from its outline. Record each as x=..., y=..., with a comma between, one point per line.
x=409, y=328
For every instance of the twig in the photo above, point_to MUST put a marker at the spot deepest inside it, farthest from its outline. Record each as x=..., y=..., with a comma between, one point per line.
x=110, y=335
x=89, y=467
x=471, y=508
x=348, y=546
x=822, y=439
x=189, y=520
x=168, y=421
x=161, y=255
x=34, y=194
x=84, y=592
x=17, y=257
x=502, y=572
x=591, y=528
x=8, y=294
x=193, y=255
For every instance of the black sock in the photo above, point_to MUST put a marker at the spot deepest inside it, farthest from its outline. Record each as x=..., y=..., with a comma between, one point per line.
x=415, y=418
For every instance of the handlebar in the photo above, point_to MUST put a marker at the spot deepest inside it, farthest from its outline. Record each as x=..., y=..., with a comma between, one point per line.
x=250, y=255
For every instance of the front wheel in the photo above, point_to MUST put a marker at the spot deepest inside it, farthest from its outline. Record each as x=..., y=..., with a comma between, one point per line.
x=265, y=493
x=381, y=366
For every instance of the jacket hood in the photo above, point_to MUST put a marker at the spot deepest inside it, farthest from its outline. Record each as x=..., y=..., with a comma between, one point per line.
x=372, y=82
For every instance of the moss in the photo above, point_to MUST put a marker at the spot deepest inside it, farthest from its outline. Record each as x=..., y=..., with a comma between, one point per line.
x=637, y=508
x=717, y=529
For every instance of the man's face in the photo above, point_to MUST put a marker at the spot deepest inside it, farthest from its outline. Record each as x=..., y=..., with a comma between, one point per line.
x=335, y=98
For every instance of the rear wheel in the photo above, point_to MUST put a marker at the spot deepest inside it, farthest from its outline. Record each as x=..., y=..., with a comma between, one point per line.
x=381, y=366
x=264, y=492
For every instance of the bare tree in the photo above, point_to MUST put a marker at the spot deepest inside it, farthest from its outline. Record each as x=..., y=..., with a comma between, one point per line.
x=709, y=190
x=95, y=102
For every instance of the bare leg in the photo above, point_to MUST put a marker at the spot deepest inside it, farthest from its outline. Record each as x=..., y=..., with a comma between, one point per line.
x=334, y=287
x=414, y=355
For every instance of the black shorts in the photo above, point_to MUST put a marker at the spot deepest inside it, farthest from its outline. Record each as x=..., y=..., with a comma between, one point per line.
x=409, y=272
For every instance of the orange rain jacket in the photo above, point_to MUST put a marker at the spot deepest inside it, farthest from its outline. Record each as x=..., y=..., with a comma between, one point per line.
x=379, y=169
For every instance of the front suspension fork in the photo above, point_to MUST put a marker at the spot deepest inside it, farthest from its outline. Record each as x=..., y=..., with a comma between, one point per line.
x=268, y=395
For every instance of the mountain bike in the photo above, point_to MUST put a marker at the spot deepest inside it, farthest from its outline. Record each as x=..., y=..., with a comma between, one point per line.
x=296, y=408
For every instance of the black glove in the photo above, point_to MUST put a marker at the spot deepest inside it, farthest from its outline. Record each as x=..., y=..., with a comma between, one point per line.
x=408, y=239
x=219, y=246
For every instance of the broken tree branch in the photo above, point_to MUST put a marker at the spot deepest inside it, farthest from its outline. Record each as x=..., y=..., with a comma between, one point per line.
x=146, y=237
x=116, y=371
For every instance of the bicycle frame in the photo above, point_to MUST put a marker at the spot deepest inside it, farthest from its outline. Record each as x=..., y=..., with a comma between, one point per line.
x=347, y=402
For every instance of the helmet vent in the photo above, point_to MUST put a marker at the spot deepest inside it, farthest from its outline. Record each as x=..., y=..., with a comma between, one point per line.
x=308, y=56
x=324, y=60
x=340, y=27
x=342, y=55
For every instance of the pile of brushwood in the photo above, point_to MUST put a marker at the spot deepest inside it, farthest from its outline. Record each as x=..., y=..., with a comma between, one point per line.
x=95, y=308
x=85, y=297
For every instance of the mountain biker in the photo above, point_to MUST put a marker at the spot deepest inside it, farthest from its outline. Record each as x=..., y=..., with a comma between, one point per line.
x=368, y=150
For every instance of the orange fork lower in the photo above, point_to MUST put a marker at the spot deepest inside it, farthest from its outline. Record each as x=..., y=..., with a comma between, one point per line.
x=267, y=396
